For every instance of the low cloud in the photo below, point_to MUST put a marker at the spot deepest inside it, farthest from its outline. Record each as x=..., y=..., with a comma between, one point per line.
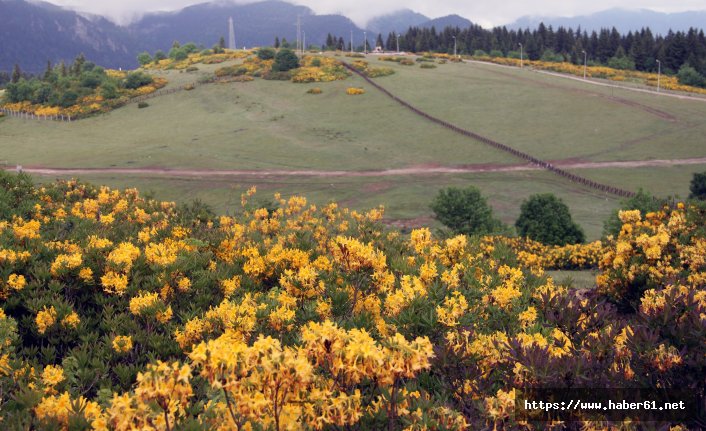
x=487, y=13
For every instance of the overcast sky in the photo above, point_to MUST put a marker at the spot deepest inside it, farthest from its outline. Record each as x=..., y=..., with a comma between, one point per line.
x=487, y=13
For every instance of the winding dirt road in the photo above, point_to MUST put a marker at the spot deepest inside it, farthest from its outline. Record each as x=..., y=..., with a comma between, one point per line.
x=409, y=171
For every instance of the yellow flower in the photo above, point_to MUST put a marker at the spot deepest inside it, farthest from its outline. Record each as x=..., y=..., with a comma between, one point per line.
x=184, y=284
x=454, y=308
x=123, y=256
x=64, y=263
x=26, y=230
x=52, y=376
x=141, y=304
x=528, y=316
x=45, y=318
x=86, y=275
x=230, y=285
x=122, y=343
x=71, y=321
x=114, y=283
x=16, y=282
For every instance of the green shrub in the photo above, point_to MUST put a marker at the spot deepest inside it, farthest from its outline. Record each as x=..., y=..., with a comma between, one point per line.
x=698, y=186
x=465, y=211
x=266, y=53
x=109, y=91
x=144, y=58
x=142, y=105
x=285, y=60
x=546, y=218
x=137, y=79
x=689, y=76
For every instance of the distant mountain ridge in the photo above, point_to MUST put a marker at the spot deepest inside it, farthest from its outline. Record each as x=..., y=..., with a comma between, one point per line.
x=396, y=22
x=32, y=33
x=256, y=24
x=622, y=19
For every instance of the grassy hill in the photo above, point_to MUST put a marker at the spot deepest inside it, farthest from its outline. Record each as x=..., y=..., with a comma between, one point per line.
x=272, y=125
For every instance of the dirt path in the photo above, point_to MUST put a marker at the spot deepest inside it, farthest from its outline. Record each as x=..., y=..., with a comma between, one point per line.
x=409, y=171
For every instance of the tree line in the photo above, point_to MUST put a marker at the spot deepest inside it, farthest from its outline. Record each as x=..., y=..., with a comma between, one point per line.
x=63, y=85
x=638, y=50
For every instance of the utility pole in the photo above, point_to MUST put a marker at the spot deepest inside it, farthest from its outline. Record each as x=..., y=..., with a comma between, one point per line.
x=303, y=42
x=231, y=34
x=454, y=45
x=351, y=41
x=521, y=59
x=659, y=73
x=299, y=33
x=365, y=42
x=398, y=43
x=585, y=62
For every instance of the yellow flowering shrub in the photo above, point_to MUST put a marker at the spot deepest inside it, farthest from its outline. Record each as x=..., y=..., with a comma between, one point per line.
x=297, y=316
x=354, y=91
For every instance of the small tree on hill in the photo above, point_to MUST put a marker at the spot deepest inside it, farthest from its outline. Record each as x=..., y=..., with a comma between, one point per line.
x=465, y=211
x=159, y=56
x=285, y=60
x=144, y=58
x=698, y=186
x=266, y=53
x=16, y=74
x=546, y=218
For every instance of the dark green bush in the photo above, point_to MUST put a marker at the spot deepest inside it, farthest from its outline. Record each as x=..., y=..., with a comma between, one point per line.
x=285, y=60
x=698, y=186
x=465, y=211
x=546, y=218
x=266, y=53
x=137, y=79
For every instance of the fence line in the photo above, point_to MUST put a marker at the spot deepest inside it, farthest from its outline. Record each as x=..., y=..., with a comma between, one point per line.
x=33, y=116
x=538, y=162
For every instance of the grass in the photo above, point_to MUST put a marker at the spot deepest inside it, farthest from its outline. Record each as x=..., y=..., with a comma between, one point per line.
x=575, y=279
x=263, y=125
x=554, y=118
x=406, y=199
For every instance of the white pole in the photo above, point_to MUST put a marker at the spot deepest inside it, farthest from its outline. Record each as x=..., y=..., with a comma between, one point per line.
x=454, y=45
x=398, y=43
x=585, y=62
x=351, y=41
x=659, y=73
x=365, y=42
x=521, y=58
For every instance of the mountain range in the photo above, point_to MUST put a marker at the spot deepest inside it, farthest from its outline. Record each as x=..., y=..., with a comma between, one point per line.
x=623, y=20
x=34, y=32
